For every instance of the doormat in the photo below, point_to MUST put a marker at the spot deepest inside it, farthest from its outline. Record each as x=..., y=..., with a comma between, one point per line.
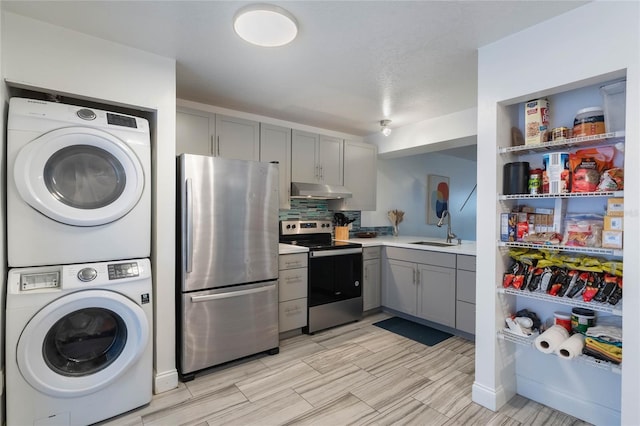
x=414, y=331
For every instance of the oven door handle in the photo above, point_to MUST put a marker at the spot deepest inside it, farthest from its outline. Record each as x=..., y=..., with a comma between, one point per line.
x=339, y=252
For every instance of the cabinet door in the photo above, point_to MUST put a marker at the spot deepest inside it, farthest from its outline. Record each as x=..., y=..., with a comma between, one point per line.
x=237, y=138
x=304, y=165
x=371, y=284
x=360, y=162
x=330, y=156
x=275, y=145
x=437, y=294
x=400, y=287
x=194, y=133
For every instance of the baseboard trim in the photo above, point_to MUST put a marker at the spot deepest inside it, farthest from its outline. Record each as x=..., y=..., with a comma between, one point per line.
x=165, y=381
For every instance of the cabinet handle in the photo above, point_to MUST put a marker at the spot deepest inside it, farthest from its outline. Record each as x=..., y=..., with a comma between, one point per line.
x=317, y=172
x=418, y=277
x=414, y=275
x=218, y=148
x=321, y=172
x=212, y=149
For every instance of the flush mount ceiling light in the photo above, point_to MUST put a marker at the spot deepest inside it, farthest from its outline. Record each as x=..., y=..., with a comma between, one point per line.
x=265, y=25
x=383, y=127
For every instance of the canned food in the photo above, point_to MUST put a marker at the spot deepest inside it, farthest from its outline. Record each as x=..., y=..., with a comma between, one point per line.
x=535, y=181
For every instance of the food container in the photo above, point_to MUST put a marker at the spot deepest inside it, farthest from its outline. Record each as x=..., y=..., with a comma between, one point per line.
x=559, y=134
x=536, y=121
x=615, y=98
x=589, y=122
x=555, y=174
x=562, y=319
x=535, y=181
x=581, y=319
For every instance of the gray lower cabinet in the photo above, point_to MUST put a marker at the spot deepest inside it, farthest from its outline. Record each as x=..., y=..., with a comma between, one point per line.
x=292, y=291
x=421, y=283
x=371, y=296
x=466, y=294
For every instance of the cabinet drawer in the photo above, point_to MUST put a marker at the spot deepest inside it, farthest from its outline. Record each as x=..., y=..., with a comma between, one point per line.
x=292, y=284
x=292, y=314
x=467, y=263
x=446, y=260
x=370, y=253
x=466, y=317
x=290, y=261
x=466, y=286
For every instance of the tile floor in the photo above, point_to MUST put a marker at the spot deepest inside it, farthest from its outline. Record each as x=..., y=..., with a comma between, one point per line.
x=357, y=374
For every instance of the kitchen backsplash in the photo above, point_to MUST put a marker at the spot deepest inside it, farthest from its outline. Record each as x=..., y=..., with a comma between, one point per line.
x=302, y=209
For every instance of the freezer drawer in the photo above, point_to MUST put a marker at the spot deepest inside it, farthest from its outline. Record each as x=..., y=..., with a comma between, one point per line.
x=225, y=324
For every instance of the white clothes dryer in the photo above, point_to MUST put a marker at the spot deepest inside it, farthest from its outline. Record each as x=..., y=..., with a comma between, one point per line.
x=78, y=342
x=78, y=184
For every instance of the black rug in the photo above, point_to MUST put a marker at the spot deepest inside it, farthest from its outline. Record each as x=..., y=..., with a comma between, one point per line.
x=414, y=331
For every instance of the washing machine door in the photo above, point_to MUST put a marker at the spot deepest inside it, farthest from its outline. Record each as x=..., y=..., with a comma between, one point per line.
x=79, y=176
x=82, y=342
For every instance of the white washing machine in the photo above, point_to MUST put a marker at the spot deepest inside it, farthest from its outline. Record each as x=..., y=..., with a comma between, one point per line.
x=78, y=342
x=78, y=184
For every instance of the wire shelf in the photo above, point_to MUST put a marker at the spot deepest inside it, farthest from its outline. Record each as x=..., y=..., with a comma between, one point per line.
x=586, y=359
x=572, y=249
x=582, y=141
x=502, y=197
x=538, y=295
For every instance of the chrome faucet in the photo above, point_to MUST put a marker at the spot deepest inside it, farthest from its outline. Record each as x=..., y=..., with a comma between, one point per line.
x=450, y=235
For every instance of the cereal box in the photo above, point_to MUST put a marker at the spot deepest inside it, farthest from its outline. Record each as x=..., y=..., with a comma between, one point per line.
x=536, y=120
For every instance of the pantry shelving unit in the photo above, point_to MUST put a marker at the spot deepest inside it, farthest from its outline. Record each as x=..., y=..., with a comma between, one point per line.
x=508, y=76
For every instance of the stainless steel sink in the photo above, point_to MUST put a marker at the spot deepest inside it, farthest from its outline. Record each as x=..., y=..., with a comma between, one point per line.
x=435, y=243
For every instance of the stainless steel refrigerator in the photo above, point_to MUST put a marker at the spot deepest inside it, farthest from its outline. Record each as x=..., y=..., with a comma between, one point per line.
x=227, y=271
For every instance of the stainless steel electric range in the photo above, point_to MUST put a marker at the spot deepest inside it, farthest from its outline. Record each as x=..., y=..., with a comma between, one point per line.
x=334, y=275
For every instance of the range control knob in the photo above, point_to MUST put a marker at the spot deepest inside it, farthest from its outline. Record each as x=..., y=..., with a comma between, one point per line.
x=288, y=226
x=87, y=274
x=86, y=114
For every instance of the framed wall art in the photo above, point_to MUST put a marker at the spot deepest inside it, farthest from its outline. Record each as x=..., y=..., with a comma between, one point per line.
x=437, y=197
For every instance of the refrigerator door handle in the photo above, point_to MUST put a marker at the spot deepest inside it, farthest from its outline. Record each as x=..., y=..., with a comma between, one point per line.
x=189, y=220
x=195, y=299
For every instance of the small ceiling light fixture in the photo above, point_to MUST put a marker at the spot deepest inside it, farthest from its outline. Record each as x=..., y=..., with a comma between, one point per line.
x=265, y=25
x=383, y=127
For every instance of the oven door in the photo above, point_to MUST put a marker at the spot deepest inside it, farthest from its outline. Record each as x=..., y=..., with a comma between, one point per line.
x=334, y=275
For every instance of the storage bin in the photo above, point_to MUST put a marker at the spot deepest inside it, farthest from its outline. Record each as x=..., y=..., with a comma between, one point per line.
x=614, y=96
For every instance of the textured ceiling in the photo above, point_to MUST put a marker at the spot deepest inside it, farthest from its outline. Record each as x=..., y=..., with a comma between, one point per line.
x=353, y=63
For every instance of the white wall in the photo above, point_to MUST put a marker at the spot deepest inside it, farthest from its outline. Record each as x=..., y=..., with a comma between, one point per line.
x=448, y=131
x=510, y=71
x=3, y=216
x=37, y=55
x=402, y=184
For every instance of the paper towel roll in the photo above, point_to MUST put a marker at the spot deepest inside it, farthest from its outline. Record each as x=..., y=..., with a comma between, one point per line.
x=548, y=341
x=572, y=347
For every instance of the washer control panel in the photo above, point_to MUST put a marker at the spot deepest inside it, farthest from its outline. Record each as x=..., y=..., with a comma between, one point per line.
x=123, y=270
x=87, y=274
x=38, y=281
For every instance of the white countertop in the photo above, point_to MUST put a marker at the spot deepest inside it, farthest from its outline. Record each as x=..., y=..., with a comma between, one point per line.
x=291, y=249
x=467, y=247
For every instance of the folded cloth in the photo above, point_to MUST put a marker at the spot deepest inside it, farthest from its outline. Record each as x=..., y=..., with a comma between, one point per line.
x=606, y=332
x=610, y=351
x=598, y=355
x=606, y=342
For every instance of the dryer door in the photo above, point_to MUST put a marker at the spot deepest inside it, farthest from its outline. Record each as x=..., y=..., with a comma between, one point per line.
x=82, y=342
x=79, y=176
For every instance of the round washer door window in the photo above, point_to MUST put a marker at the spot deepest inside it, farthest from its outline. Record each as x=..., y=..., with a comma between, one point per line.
x=79, y=176
x=82, y=342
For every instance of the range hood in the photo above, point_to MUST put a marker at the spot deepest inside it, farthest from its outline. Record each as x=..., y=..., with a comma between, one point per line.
x=319, y=191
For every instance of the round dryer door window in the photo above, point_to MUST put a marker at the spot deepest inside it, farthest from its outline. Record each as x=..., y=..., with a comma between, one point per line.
x=82, y=342
x=79, y=176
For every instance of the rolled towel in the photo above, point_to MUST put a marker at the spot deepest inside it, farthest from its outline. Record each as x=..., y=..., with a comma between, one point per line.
x=572, y=347
x=549, y=341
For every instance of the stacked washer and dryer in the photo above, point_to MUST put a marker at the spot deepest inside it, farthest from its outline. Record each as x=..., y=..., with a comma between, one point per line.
x=79, y=324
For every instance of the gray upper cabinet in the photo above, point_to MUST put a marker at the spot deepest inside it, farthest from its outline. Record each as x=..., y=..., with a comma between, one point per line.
x=194, y=132
x=275, y=145
x=237, y=138
x=316, y=158
x=360, y=172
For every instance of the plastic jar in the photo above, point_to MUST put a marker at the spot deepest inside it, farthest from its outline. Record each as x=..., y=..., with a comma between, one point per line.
x=589, y=121
x=535, y=181
x=581, y=319
x=563, y=319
